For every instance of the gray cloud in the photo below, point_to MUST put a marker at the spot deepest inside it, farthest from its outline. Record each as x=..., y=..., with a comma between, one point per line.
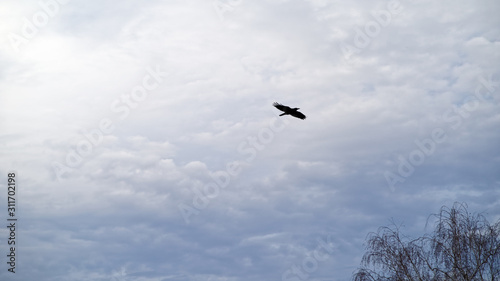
x=115, y=214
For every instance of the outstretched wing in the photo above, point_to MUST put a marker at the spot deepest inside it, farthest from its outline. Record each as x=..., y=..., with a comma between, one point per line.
x=281, y=107
x=298, y=114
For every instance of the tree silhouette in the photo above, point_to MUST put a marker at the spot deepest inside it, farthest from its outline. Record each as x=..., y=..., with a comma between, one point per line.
x=462, y=247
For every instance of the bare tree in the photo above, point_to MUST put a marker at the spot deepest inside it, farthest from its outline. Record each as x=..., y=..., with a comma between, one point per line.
x=462, y=247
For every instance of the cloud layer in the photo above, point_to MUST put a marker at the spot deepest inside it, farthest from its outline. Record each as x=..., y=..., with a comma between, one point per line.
x=147, y=147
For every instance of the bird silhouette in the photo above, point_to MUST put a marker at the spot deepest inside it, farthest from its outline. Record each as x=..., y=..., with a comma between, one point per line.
x=289, y=111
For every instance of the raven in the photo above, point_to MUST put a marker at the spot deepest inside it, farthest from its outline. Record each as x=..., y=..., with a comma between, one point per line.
x=289, y=111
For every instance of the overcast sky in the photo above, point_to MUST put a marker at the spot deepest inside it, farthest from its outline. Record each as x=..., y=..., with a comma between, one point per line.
x=147, y=148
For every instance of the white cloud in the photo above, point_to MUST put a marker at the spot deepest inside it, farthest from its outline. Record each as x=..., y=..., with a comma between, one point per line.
x=115, y=213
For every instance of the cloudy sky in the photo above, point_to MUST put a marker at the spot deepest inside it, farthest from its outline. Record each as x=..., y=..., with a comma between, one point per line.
x=146, y=147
